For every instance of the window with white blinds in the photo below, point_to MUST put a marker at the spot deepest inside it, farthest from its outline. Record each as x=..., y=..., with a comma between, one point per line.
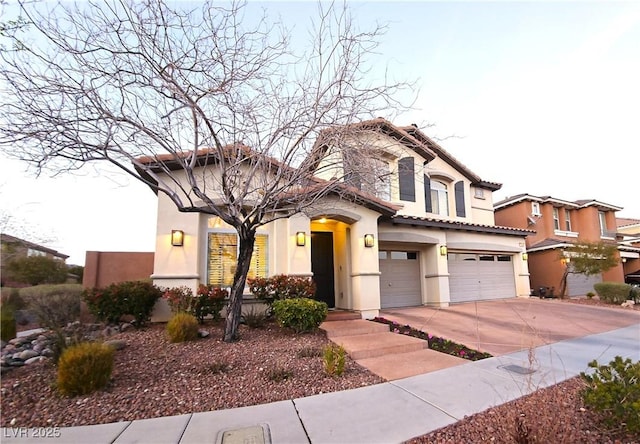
x=223, y=256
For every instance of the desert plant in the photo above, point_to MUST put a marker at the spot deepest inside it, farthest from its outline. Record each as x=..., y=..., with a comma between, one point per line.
x=132, y=298
x=309, y=352
x=590, y=295
x=182, y=327
x=218, y=367
x=333, y=359
x=281, y=286
x=612, y=292
x=55, y=306
x=84, y=368
x=11, y=297
x=614, y=391
x=254, y=318
x=7, y=323
x=300, y=314
x=278, y=374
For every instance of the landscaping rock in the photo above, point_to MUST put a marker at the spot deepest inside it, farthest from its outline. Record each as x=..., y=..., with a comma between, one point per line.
x=203, y=333
x=117, y=344
x=28, y=354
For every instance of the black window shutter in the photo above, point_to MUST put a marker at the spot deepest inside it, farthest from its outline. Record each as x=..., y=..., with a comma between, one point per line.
x=459, y=189
x=407, y=179
x=427, y=194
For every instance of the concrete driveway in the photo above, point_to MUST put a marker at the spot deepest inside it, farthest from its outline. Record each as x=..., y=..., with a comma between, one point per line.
x=508, y=325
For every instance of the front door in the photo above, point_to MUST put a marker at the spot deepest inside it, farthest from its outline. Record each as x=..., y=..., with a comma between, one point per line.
x=322, y=266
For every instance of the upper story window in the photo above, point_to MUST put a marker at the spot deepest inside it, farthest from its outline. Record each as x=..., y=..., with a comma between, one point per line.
x=535, y=208
x=604, y=232
x=407, y=179
x=478, y=193
x=567, y=220
x=556, y=219
x=439, y=198
x=32, y=252
x=372, y=175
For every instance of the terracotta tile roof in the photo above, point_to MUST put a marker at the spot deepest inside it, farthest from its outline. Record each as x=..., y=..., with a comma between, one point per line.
x=8, y=239
x=583, y=203
x=458, y=225
x=625, y=222
x=549, y=243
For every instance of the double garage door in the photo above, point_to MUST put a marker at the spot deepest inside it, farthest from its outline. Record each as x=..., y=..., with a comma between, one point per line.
x=474, y=277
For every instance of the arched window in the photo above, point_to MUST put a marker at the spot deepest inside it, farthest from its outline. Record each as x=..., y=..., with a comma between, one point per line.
x=439, y=198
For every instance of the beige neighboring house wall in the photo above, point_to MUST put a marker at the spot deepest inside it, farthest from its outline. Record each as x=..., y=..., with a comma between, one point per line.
x=408, y=239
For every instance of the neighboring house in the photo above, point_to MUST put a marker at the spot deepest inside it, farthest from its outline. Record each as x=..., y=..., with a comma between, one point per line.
x=416, y=228
x=629, y=244
x=13, y=248
x=558, y=224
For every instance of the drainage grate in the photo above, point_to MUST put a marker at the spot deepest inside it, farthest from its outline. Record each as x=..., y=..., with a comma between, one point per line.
x=258, y=434
x=518, y=369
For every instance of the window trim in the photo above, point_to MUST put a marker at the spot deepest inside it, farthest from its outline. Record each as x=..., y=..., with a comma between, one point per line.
x=556, y=218
x=225, y=231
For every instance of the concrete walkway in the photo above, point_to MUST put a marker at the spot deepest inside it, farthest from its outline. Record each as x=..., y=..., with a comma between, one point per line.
x=392, y=412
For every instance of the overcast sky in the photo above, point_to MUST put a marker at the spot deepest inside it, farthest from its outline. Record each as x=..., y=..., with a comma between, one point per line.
x=542, y=97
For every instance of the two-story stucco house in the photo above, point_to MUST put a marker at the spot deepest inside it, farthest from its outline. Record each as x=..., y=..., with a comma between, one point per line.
x=418, y=228
x=559, y=224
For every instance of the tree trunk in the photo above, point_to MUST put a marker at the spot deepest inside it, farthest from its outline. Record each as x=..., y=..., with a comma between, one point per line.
x=234, y=310
x=563, y=283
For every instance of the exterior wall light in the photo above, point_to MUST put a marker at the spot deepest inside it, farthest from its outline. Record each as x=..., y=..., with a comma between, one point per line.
x=177, y=238
x=525, y=256
x=301, y=238
x=368, y=240
x=443, y=250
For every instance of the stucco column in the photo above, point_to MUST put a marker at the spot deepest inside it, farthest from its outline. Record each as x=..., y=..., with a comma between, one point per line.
x=365, y=269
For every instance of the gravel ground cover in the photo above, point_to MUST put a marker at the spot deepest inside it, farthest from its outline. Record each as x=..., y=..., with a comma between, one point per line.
x=154, y=378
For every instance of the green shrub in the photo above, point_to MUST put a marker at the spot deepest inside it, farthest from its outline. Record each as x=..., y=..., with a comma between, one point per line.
x=84, y=368
x=300, y=314
x=182, y=327
x=55, y=306
x=614, y=391
x=309, y=352
x=36, y=270
x=131, y=298
x=11, y=297
x=278, y=374
x=634, y=294
x=590, y=295
x=612, y=292
x=333, y=359
x=280, y=287
x=7, y=323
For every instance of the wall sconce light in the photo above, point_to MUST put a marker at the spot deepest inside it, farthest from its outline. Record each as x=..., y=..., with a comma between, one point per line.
x=177, y=238
x=443, y=250
x=624, y=260
x=301, y=238
x=525, y=256
x=368, y=240
x=565, y=260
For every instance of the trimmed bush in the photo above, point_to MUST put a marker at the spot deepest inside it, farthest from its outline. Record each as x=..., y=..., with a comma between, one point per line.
x=208, y=301
x=280, y=287
x=612, y=292
x=333, y=359
x=300, y=314
x=131, y=298
x=614, y=391
x=84, y=368
x=55, y=306
x=7, y=323
x=634, y=294
x=182, y=327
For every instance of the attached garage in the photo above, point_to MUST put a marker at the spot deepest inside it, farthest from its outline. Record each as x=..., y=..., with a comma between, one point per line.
x=400, y=279
x=474, y=277
x=580, y=285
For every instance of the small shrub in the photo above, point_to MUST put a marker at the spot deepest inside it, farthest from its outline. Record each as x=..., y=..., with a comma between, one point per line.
x=10, y=297
x=133, y=298
x=84, y=368
x=333, y=359
x=612, y=292
x=281, y=286
x=180, y=299
x=590, y=295
x=309, y=352
x=208, y=301
x=634, y=294
x=278, y=374
x=7, y=323
x=55, y=306
x=182, y=327
x=614, y=391
x=300, y=314
x=255, y=319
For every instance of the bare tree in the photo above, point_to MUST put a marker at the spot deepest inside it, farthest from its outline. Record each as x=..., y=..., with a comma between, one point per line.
x=161, y=92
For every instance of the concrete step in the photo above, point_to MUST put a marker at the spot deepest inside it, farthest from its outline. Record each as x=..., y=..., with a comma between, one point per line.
x=352, y=327
x=342, y=315
x=404, y=365
x=371, y=345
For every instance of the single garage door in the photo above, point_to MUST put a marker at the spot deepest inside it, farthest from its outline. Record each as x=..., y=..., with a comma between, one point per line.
x=474, y=277
x=580, y=285
x=399, y=279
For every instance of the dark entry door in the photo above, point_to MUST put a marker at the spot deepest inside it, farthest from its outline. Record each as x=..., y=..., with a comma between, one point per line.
x=322, y=266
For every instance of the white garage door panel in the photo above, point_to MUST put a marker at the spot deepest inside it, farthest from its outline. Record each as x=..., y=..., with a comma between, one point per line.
x=473, y=280
x=400, y=282
x=580, y=285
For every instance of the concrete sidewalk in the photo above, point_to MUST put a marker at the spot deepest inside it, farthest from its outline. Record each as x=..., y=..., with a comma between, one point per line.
x=392, y=412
